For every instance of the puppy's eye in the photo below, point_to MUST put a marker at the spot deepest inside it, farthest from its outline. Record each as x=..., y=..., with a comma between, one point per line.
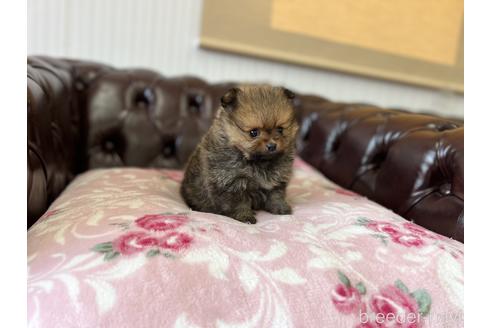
x=254, y=133
x=280, y=129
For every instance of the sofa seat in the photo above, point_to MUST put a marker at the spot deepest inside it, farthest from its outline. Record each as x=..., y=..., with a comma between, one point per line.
x=119, y=248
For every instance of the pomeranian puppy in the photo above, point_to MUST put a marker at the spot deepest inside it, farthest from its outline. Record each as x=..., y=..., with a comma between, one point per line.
x=244, y=161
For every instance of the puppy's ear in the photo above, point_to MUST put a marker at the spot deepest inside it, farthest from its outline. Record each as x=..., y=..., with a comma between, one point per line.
x=289, y=94
x=229, y=99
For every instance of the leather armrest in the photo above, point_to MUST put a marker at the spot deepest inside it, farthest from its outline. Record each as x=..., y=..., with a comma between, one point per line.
x=55, y=128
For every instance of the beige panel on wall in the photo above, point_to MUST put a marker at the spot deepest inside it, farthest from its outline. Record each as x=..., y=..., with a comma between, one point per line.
x=428, y=30
x=421, y=45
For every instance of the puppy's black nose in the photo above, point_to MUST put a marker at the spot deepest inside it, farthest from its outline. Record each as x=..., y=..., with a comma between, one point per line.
x=271, y=147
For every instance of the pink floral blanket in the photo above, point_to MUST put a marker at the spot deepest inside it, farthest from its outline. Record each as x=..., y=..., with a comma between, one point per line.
x=119, y=248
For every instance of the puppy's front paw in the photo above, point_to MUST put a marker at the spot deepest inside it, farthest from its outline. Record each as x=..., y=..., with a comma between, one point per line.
x=246, y=217
x=279, y=207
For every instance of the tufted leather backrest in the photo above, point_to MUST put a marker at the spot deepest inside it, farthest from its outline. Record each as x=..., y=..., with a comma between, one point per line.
x=140, y=118
x=85, y=115
x=410, y=163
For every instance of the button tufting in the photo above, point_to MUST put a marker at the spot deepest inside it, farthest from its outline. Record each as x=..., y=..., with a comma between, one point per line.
x=195, y=102
x=91, y=75
x=379, y=158
x=168, y=148
x=109, y=146
x=79, y=85
x=335, y=145
x=144, y=98
x=445, y=189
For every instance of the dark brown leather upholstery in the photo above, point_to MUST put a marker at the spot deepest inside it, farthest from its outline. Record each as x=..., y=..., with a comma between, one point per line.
x=85, y=115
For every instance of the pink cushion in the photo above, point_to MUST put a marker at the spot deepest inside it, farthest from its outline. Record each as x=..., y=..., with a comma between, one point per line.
x=119, y=248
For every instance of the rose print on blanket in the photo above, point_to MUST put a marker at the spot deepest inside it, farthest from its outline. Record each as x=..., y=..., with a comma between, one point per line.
x=161, y=222
x=346, y=298
x=407, y=234
x=158, y=237
x=392, y=306
x=176, y=176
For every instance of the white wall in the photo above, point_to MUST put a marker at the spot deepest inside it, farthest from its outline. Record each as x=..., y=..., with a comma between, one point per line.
x=163, y=34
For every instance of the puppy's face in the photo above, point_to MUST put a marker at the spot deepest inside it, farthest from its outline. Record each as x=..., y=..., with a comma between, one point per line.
x=260, y=121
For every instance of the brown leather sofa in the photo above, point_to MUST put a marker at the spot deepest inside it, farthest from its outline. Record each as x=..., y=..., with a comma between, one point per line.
x=84, y=115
